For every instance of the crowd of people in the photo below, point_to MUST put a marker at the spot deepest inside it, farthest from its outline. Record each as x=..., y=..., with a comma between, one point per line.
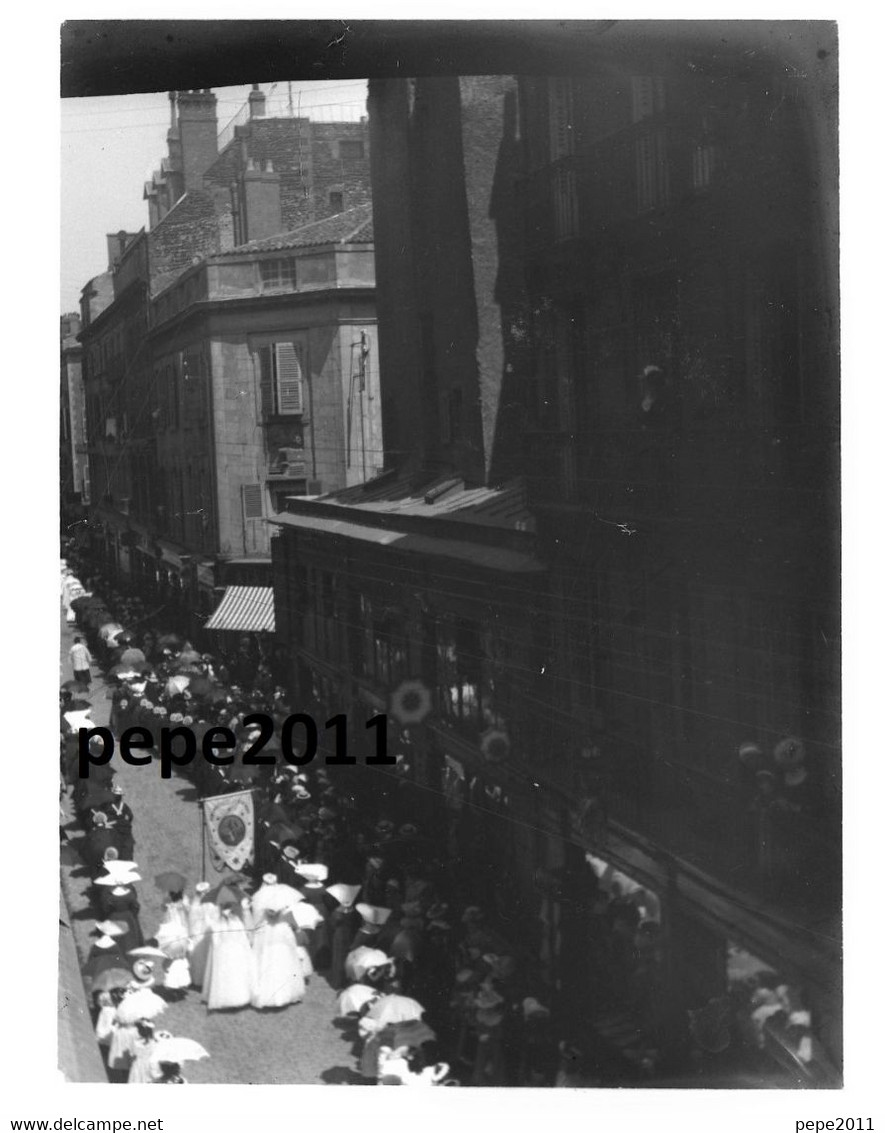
x=434, y=993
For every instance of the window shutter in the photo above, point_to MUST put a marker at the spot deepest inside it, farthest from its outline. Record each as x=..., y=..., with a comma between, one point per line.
x=561, y=139
x=289, y=387
x=253, y=501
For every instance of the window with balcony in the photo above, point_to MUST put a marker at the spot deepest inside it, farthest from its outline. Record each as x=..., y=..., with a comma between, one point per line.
x=278, y=275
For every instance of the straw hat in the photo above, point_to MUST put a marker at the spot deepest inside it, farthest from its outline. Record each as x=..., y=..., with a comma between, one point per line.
x=373, y=915
x=345, y=895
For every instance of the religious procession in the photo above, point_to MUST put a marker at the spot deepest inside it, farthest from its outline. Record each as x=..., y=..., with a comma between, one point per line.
x=299, y=884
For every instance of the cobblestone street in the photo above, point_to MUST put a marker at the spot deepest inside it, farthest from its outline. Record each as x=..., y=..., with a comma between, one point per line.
x=298, y=1044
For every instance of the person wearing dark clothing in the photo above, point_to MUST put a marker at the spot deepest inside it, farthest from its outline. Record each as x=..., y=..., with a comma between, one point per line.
x=120, y=819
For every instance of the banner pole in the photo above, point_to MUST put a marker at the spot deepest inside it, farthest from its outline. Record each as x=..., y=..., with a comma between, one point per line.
x=202, y=841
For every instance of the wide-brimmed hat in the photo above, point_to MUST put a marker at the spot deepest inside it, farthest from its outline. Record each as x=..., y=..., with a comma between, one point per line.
x=110, y=928
x=344, y=894
x=374, y=915
x=314, y=873
x=118, y=880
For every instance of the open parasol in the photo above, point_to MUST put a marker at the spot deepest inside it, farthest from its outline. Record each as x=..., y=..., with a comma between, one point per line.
x=111, y=978
x=354, y=998
x=275, y=898
x=177, y=684
x=75, y=686
x=132, y=656
x=361, y=960
x=306, y=915
x=413, y=1033
x=200, y=686
x=389, y=1009
x=109, y=629
x=171, y=881
x=169, y=641
x=177, y=1050
x=141, y=1004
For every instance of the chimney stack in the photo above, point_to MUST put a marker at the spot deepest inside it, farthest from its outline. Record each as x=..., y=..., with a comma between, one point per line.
x=261, y=201
x=198, y=134
x=257, y=102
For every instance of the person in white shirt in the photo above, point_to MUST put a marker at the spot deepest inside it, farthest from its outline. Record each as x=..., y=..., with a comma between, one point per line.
x=81, y=659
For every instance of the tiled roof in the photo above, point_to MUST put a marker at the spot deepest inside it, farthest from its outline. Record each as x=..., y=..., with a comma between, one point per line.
x=353, y=226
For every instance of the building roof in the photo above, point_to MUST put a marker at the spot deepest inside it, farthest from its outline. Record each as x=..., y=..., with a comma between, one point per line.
x=353, y=226
x=443, y=498
x=501, y=559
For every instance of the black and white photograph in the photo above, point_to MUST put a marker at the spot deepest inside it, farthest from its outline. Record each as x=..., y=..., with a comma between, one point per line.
x=450, y=556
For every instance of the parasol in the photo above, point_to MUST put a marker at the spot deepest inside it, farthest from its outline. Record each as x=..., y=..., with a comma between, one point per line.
x=109, y=629
x=200, y=686
x=275, y=898
x=354, y=998
x=148, y=950
x=141, y=1004
x=132, y=656
x=189, y=656
x=75, y=686
x=361, y=960
x=79, y=719
x=169, y=641
x=84, y=601
x=177, y=684
x=413, y=1033
x=228, y=888
x=176, y=1050
x=306, y=915
x=391, y=1009
x=79, y=704
x=123, y=637
x=171, y=881
x=111, y=978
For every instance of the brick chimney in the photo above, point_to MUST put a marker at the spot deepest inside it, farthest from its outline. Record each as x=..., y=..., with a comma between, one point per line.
x=261, y=201
x=257, y=102
x=198, y=134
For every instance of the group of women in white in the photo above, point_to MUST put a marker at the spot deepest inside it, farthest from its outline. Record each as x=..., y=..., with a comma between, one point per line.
x=241, y=952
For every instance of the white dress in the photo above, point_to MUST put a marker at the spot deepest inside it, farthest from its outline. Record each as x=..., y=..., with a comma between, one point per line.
x=120, y=1051
x=279, y=979
x=200, y=918
x=140, y=1070
x=229, y=980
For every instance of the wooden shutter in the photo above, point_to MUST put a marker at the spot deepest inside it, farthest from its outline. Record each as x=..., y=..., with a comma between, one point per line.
x=561, y=139
x=288, y=379
x=253, y=501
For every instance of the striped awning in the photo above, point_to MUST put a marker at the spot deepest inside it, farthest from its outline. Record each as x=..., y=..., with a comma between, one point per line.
x=245, y=609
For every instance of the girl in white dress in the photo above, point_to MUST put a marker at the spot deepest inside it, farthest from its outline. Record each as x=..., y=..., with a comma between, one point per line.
x=279, y=977
x=229, y=980
x=142, y=1047
x=200, y=917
